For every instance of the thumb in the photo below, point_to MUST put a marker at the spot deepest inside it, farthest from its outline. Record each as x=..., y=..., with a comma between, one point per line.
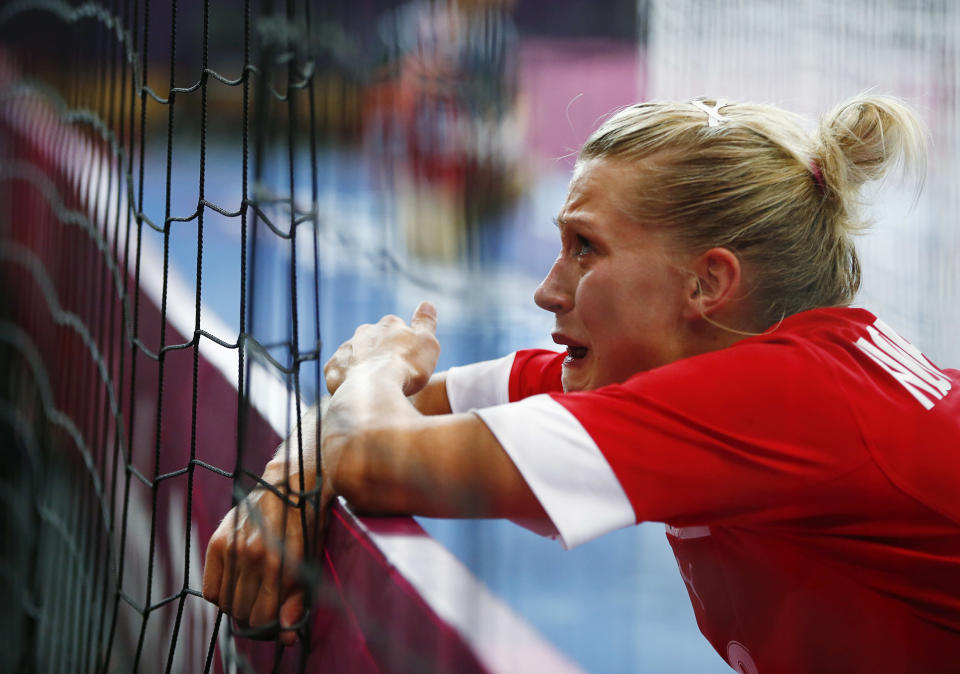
x=424, y=318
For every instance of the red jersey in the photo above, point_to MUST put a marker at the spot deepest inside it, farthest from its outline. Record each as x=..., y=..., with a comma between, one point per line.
x=809, y=478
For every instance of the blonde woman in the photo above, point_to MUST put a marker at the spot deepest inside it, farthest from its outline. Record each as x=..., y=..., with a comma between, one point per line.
x=804, y=456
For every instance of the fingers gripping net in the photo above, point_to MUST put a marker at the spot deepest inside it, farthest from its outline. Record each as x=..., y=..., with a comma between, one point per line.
x=130, y=411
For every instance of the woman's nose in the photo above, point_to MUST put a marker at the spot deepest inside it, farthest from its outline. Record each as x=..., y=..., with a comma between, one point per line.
x=555, y=292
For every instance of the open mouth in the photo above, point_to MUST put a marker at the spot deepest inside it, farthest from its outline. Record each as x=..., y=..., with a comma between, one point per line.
x=576, y=352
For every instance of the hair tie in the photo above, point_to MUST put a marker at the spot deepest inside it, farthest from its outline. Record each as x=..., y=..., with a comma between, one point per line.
x=818, y=175
x=713, y=112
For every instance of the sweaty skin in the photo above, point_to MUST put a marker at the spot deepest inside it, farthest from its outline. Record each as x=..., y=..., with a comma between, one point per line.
x=625, y=301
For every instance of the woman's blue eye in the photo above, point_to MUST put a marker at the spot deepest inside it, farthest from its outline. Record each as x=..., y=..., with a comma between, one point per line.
x=583, y=246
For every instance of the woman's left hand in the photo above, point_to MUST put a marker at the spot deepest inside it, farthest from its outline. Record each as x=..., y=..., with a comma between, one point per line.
x=407, y=352
x=253, y=560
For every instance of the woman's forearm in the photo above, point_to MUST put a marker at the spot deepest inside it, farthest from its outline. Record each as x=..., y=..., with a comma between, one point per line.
x=433, y=398
x=285, y=466
x=388, y=442
x=367, y=415
x=385, y=457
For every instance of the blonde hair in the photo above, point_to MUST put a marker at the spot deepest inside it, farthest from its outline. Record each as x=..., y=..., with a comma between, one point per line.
x=786, y=201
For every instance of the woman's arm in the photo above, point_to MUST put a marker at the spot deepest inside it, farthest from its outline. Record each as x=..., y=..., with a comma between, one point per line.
x=383, y=456
x=433, y=398
x=377, y=449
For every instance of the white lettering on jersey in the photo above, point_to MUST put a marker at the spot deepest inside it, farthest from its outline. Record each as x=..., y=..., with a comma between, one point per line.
x=905, y=364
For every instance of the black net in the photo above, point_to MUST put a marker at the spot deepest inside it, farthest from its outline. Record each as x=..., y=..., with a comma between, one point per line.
x=127, y=413
x=162, y=158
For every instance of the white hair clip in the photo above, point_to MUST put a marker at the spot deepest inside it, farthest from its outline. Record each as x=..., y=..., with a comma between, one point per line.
x=713, y=113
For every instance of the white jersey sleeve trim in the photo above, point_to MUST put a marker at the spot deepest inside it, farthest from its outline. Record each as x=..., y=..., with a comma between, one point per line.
x=482, y=384
x=563, y=466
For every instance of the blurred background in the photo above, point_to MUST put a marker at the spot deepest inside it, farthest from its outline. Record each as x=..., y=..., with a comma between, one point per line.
x=270, y=177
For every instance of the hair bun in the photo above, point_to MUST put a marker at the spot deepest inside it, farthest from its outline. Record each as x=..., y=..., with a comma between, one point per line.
x=863, y=138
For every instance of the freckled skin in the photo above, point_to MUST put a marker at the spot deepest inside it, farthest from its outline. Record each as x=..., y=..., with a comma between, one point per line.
x=616, y=287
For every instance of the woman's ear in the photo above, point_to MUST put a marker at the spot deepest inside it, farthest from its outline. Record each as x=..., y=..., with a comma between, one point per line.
x=717, y=282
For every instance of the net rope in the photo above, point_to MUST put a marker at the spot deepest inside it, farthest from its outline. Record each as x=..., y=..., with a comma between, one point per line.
x=93, y=133
x=98, y=185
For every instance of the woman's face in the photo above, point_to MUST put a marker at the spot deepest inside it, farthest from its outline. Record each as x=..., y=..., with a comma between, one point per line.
x=617, y=289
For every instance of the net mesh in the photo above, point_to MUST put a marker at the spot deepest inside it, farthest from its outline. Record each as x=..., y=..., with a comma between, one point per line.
x=129, y=408
x=162, y=158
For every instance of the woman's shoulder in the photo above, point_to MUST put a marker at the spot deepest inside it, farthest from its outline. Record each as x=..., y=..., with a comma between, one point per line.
x=820, y=321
